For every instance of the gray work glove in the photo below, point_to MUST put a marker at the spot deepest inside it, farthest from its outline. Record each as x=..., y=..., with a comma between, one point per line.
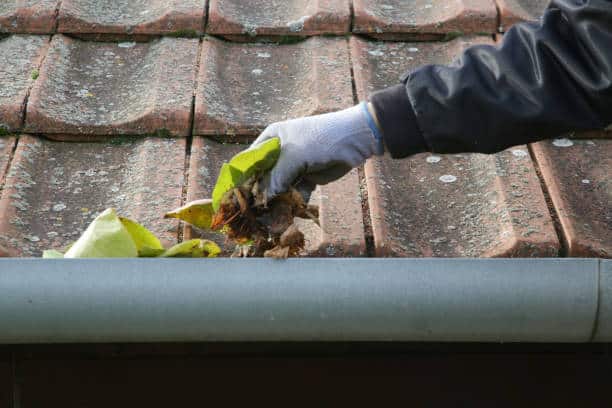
x=322, y=148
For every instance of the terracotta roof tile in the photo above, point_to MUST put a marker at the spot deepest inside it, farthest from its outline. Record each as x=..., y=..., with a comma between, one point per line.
x=179, y=17
x=54, y=189
x=20, y=58
x=577, y=175
x=96, y=88
x=246, y=19
x=514, y=11
x=454, y=205
x=243, y=87
x=400, y=19
x=342, y=230
x=28, y=16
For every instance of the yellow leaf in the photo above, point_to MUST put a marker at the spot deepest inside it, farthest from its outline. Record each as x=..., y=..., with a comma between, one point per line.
x=194, y=248
x=106, y=237
x=146, y=243
x=198, y=213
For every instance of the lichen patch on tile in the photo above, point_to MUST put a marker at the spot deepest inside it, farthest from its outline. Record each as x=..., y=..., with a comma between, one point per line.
x=27, y=16
x=20, y=57
x=392, y=19
x=278, y=18
x=53, y=190
x=150, y=17
x=105, y=88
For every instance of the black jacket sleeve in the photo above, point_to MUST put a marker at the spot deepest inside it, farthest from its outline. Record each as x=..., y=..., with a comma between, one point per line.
x=544, y=80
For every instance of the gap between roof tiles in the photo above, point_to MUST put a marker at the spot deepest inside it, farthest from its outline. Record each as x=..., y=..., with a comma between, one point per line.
x=370, y=247
x=24, y=107
x=189, y=142
x=551, y=208
x=56, y=16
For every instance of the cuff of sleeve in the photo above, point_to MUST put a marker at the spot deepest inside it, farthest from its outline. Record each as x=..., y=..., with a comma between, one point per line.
x=401, y=134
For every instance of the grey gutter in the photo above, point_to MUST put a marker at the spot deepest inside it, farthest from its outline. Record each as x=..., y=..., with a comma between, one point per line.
x=153, y=300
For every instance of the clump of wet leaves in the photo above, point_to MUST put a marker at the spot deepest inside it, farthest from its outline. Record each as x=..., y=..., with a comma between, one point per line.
x=239, y=208
x=267, y=228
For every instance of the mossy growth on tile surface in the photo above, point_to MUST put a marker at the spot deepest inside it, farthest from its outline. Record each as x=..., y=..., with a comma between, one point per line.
x=184, y=33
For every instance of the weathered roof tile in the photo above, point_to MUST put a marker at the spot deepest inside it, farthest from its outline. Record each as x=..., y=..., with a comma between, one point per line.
x=341, y=232
x=28, y=16
x=244, y=87
x=401, y=19
x=454, y=205
x=101, y=88
x=577, y=176
x=20, y=58
x=514, y=11
x=53, y=190
x=243, y=19
x=149, y=17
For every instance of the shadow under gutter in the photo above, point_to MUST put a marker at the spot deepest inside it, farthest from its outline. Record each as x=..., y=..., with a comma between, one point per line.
x=183, y=300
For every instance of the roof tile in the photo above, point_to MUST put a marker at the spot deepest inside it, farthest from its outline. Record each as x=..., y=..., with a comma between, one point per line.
x=341, y=232
x=244, y=87
x=514, y=11
x=241, y=19
x=423, y=19
x=184, y=17
x=101, y=88
x=20, y=58
x=459, y=205
x=454, y=205
x=28, y=16
x=577, y=176
x=53, y=190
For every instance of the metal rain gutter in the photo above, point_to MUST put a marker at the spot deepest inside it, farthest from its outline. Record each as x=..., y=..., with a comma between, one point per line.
x=153, y=300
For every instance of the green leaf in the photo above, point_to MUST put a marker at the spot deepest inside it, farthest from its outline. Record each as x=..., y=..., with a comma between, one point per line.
x=146, y=243
x=52, y=254
x=257, y=160
x=198, y=213
x=106, y=237
x=228, y=179
x=243, y=166
x=194, y=248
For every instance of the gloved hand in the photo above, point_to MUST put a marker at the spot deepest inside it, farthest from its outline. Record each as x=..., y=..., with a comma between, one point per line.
x=322, y=148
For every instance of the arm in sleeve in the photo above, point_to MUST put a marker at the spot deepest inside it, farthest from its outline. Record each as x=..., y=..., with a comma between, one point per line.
x=544, y=80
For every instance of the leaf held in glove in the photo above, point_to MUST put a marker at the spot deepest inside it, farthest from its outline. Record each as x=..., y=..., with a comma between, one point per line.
x=243, y=166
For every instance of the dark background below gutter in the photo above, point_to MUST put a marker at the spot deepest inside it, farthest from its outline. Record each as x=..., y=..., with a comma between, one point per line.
x=306, y=374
